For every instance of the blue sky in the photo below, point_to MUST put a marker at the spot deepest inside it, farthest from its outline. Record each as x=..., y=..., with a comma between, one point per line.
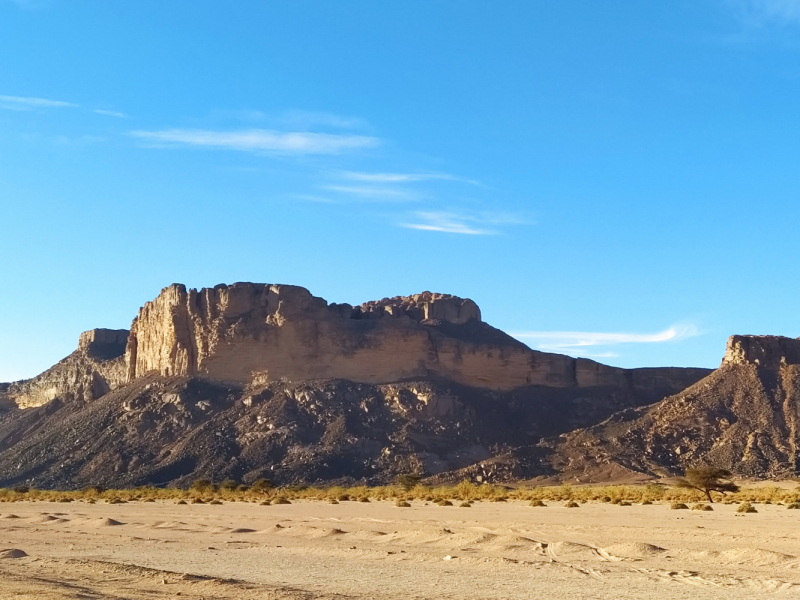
x=614, y=180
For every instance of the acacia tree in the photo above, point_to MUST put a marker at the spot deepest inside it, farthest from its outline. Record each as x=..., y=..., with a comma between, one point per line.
x=707, y=480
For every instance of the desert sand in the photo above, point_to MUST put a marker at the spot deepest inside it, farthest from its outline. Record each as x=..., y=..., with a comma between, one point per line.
x=312, y=549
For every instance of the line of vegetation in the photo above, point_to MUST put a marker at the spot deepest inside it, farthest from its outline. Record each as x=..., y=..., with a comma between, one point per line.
x=263, y=492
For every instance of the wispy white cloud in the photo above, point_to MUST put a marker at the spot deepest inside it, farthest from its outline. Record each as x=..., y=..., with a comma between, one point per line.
x=314, y=198
x=759, y=12
x=447, y=222
x=463, y=222
x=25, y=3
x=22, y=103
x=402, y=177
x=371, y=192
x=572, y=340
x=304, y=119
x=260, y=140
x=110, y=113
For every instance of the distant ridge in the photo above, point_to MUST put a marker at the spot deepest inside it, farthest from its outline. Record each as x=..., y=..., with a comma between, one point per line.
x=745, y=417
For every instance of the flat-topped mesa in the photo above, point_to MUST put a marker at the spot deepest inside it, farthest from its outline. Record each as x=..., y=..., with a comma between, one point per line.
x=264, y=332
x=768, y=351
x=103, y=343
x=248, y=330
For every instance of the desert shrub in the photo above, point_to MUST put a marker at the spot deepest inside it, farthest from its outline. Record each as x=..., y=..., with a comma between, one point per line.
x=215, y=501
x=624, y=503
x=262, y=485
x=646, y=502
x=702, y=506
x=444, y=503
x=572, y=504
x=201, y=485
x=793, y=505
x=265, y=503
x=181, y=502
x=605, y=499
x=465, y=505
x=408, y=480
x=335, y=501
x=198, y=501
x=229, y=485
x=678, y=506
x=281, y=500
x=746, y=507
x=363, y=499
x=22, y=489
x=402, y=504
x=537, y=502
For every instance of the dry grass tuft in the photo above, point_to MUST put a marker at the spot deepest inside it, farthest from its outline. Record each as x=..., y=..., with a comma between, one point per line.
x=746, y=507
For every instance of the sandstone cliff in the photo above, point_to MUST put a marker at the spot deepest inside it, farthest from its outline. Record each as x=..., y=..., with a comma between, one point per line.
x=745, y=417
x=259, y=332
x=94, y=369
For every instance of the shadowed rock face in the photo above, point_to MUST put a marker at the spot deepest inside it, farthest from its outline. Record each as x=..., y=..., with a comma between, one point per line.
x=172, y=430
x=260, y=332
x=744, y=417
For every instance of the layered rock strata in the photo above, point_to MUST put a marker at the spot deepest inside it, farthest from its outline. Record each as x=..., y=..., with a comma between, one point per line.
x=260, y=332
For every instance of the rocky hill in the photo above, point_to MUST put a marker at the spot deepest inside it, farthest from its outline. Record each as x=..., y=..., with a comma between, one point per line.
x=94, y=369
x=254, y=380
x=745, y=417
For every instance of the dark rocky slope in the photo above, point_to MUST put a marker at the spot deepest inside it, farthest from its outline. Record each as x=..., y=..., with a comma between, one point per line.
x=744, y=417
x=162, y=431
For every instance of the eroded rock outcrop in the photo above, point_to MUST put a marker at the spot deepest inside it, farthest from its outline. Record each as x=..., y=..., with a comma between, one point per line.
x=260, y=332
x=94, y=369
x=745, y=417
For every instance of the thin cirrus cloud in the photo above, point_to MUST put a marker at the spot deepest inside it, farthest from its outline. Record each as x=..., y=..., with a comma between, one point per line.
x=110, y=113
x=302, y=119
x=259, y=140
x=578, y=340
x=773, y=10
x=462, y=222
x=447, y=222
x=373, y=193
x=28, y=103
x=403, y=177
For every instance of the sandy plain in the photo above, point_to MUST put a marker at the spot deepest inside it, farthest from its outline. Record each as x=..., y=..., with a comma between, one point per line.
x=311, y=549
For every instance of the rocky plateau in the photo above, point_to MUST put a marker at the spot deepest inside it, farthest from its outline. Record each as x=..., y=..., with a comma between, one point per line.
x=260, y=380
